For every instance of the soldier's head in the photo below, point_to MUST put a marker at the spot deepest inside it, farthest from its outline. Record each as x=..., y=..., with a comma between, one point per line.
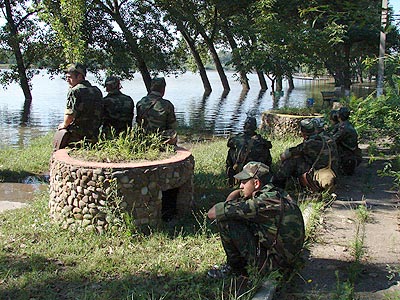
x=319, y=124
x=75, y=74
x=344, y=114
x=253, y=177
x=307, y=127
x=334, y=116
x=158, y=85
x=250, y=125
x=112, y=83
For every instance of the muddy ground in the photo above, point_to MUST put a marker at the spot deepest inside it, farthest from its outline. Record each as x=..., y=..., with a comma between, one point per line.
x=329, y=260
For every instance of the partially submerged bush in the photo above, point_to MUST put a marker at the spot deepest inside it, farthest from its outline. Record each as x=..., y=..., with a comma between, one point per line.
x=132, y=145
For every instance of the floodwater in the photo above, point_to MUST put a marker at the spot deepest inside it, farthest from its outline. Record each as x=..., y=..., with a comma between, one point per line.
x=217, y=113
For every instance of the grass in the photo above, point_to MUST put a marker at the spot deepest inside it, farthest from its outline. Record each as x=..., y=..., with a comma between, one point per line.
x=34, y=159
x=132, y=145
x=39, y=260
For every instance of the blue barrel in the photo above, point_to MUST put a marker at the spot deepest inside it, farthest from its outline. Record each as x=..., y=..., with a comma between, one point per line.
x=310, y=102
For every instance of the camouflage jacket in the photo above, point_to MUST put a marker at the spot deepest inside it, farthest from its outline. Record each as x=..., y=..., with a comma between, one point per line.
x=246, y=147
x=84, y=103
x=346, y=138
x=155, y=113
x=276, y=220
x=118, y=111
x=310, y=148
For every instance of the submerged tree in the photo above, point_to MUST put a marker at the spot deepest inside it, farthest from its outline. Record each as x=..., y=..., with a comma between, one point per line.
x=22, y=37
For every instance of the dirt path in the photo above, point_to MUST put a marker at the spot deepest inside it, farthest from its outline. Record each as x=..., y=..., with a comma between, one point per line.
x=330, y=259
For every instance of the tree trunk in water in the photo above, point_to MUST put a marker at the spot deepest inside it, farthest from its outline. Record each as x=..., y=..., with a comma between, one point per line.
x=290, y=82
x=236, y=59
x=279, y=83
x=217, y=61
x=23, y=78
x=202, y=70
x=261, y=79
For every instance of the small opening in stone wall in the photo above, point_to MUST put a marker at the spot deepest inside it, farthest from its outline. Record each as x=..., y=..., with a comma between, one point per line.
x=168, y=209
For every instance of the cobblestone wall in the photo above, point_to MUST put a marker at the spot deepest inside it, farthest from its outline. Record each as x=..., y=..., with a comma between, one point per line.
x=93, y=195
x=282, y=124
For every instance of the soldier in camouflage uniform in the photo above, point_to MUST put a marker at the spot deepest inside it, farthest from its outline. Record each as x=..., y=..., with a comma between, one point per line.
x=118, y=108
x=154, y=113
x=346, y=139
x=83, y=113
x=299, y=159
x=261, y=227
x=245, y=147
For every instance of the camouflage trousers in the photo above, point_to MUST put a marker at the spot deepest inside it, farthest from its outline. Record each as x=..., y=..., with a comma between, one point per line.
x=243, y=250
x=291, y=167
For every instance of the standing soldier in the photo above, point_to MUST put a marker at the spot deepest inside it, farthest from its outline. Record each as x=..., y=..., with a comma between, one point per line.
x=83, y=113
x=245, y=147
x=118, y=108
x=156, y=114
x=346, y=139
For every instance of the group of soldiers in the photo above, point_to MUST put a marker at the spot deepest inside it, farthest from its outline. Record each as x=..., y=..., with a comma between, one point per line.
x=88, y=115
x=261, y=226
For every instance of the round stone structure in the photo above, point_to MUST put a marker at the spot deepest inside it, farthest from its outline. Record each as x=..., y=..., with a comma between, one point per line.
x=94, y=195
x=279, y=125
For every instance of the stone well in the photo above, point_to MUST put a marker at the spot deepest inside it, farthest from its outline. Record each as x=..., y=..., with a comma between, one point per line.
x=92, y=194
x=282, y=124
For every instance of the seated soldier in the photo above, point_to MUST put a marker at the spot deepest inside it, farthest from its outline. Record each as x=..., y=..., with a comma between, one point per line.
x=315, y=151
x=319, y=125
x=83, y=112
x=261, y=227
x=346, y=139
x=118, y=108
x=245, y=147
x=156, y=114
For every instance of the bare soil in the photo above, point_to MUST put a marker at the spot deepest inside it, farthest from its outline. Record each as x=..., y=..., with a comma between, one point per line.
x=329, y=261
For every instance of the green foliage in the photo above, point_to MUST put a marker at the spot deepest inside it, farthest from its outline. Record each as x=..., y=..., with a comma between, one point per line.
x=392, y=169
x=131, y=145
x=67, y=17
x=378, y=117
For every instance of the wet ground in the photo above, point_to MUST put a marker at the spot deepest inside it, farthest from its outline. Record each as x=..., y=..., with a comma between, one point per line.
x=15, y=195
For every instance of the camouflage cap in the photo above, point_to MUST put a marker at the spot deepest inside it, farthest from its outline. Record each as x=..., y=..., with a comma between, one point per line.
x=252, y=169
x=158, y=84
x=111, y=80
x=76, y=67
x=307, y=126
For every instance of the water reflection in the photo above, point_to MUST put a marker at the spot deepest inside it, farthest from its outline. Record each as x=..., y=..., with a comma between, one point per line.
x=218, y=112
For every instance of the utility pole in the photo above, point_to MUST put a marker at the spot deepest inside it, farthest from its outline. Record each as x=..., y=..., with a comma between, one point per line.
x=381, y=65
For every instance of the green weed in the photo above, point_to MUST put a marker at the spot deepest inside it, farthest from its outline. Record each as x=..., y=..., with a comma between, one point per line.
x=132, y=145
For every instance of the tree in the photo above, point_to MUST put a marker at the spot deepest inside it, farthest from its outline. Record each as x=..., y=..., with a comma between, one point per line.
x=340, y=29
x=201, y=20
x=21, y=37
x=66, y=18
